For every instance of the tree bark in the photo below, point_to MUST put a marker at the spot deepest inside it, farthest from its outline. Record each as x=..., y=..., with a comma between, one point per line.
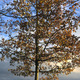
x=36, y=42
x=37, y=71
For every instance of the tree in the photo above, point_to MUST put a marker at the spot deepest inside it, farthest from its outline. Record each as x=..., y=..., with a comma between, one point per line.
x=44, y=34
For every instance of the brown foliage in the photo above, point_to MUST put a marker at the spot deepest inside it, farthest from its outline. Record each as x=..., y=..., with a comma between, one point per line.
x=44, y=34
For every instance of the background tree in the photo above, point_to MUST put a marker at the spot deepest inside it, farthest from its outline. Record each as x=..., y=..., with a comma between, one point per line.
x=44, y=34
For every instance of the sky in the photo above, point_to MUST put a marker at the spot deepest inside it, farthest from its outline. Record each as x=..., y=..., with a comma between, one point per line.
x=7, y=75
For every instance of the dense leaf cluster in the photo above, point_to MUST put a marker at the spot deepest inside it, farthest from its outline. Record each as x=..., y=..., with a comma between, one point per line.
x=40, y=31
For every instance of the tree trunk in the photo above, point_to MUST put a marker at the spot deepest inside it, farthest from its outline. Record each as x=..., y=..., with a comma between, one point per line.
x=37, y=71
x=36, y=42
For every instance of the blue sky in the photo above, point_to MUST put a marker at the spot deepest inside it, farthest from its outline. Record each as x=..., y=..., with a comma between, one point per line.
x=6, y=75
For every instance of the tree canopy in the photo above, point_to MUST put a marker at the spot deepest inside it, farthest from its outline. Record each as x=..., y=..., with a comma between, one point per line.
x=40, y=32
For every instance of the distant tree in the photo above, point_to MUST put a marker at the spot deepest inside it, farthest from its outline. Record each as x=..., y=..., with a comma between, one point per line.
x=40, y=31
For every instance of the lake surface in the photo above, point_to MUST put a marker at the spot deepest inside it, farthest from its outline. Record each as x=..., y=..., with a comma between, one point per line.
x=7, y=75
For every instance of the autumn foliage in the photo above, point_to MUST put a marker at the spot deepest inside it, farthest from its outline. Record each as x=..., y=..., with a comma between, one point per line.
x=40, y=31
